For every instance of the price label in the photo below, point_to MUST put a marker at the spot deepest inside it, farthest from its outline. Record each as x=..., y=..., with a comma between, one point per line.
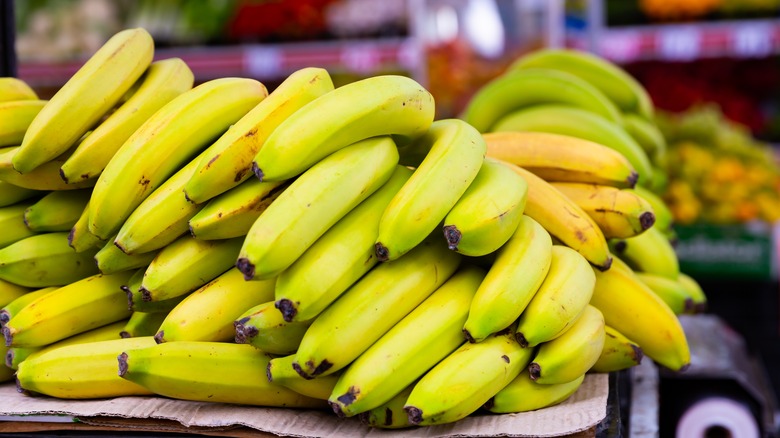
x=263, y=62
x=752, y=41
x=679, y=43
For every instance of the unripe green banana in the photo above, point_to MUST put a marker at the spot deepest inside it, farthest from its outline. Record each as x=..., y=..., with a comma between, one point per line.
x=454, y=152
x=619, y=352
x=44, y=177
x=23, y=298
x=695, y=291
x=12, y=224
x=15, y=118
x=281, y=372
x=57, y=211
x=376, y=106
x=79, y=238
x=647, y=135
x=649, y=252
x=136, y=303
x=6, y=372
x=11, y=194
x=142, y=324
x=263, y=327
x=674, y=294
x=45, y=260
x=389, y=415
x=12, y=88
x=110, y=259
x=11, y=291
x=524, y=395
x=313, y=203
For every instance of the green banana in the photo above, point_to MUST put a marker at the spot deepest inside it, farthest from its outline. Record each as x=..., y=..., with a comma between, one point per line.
x=11, y=194
x=15, y=119
x=23, y=298
x=695, y=291
x=57, y=211
x=11, y=291
x=12, y=88
x=263, y=327
x=135, y=301
x=142, y=324
x=672, y=291
x=389, y=415
x=281, y=372
x=619, y=353
x=649, y=252
x=111, y=259
x=79, y=237
x=524, y=395
x=44, y=177
x=647, y=135
x=45, y=260
x=6, y=372
x=12, y=224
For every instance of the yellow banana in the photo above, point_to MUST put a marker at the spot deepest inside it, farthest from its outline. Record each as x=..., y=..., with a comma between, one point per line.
x=511, y=282
x=663, y=215
x=695, y=291
x=524, y=395
x=12, y=224
x=142, y=324
x=170, y=137
x=135, y=301
x=162, y=82
x=454, y=152
x=408, y=350
x=313, y=203
x=228, y=161
x=371, y=307
x=86, y=97
x=561, y=298
x=79, y=237
x=15, y=118
x=672, y=291
x=208, y=313
x=44, y=177
x=208, y=371
x=57, y=211
x=647, y=135
x=45, y=260
x=23, y=297
x=337, y=259
x=619, y=353
x=649, y=252
x=11, y=194
x=80, y=306
x=111, y=259
x=376, y=106
x=281, y=372
x=12, y=88
x=389, y=415
x=263, y=327
x=10, y=292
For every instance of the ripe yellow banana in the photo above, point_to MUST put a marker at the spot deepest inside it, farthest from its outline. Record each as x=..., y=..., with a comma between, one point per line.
x=454, y=152
x=164, y=143
x=337, y=259
x=570, y=355
x=523, y=88
x=695, y=291
x=561, y=298
x=10, y=292
x=313, y=203
x=80, y=306
x=208, y=371
x=371, y=307
x=45, y=260
x=466, y=379
x=11, y=194
x=376, y=106
x=135, y=301
x=619, y=213
x=511, y=282
x=619, y=353
x=208, y=313
x=12, y=224
x=649, y=252
x=228, y=161
x=389, y=415
x=12, y=88
x=81, y=371
x=663, y=215
x=162, y=82
x=672, y=291
x=575, y=122
x=647, y=134
x=408, y=350
x=263, y=327
x=44, y=177
x=524, y=395
x=57, y=211
x=232, y=213
x=142, y=324
x=281, y=372
x=111, y=259
x=23, y=297
x=79, y=237
x=15, y=118
x=564, y=220
x=86, y=97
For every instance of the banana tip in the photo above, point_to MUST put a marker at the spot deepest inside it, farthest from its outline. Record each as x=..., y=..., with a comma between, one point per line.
x=122, y=359
x=337, y=409
x=4, y=317
x=453, y=236
x=257, y=171
x=415, y=414
x=535, y=371
x=9, y=358
x=638, y=353
x=521, y=340
x=124, y=334
x=246, y=267
x=605, y=266
x=159, y=337
x=469, y=337
x=646, y=220
x=187, y=197
x=8, y=335
x=382, y=253
x=632, y=179
x=288, y=309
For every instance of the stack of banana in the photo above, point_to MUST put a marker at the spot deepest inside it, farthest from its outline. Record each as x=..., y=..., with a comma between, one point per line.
x=331, y=248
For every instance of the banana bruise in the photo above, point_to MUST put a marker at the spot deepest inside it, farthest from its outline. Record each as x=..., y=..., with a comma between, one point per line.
x=12, y=224
x=164, y=143
x=12, y=88
x=488, y=212
x=389, y=415
x=23, y=297
x=454, y=152
x=43, y=260
x=371, y=307
x=228, y=161
x=135, y=299
x=195, y=318
x=163, y=81
x=10, y=292
x=80, y=371
x=142, y=324
x=78, y=307
x=79, y=237
x=648, y=136
x=15, y=119
x=663, y=215
x=57, y=211
x=695, y=291
x=208, y=371
x=561, y=298
x=86, y=97
x=110, y=259
x=313, y=203
x=263, y=327
x=524, y=88
x=408, y=350
x=376, y=106
x=523, y=395
x=618, y=353
x=518, y=271
x=11, y=194
x=44, y=177
x=337, y=259
x=649, y=252
x=674, y=294
x=281, y=372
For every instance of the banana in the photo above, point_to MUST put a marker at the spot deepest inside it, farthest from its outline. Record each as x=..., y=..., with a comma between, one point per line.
x=557, y=157
x=81, y=371
x=663, y=215
x=228, y=161
x=649, y=252
x=565, y=220
x=389, y=415
x=263, y=327
x=570, y=355
x=16, y=355
x=454, y=152
x=634, y=310
x=11, y=194
x=281, y=372
x=186, y=265
x=337, y=259
x=376, y=106
x=371, y=307
x=523, y=88
x=142, y=324
x=23, y=298
x=15, y=118
x=44, y=260
x=110, y=259
x=672, y=292
x=409, y=349
x=648, y=136
x=10, y=292
x=518, y=271
x=488, y=212
x=466, y=379
x=575, y=122
x=164, y=143
x=561, y=298
x=619, y=86
x=57, y=211
x=12, y=224
x=86, y=97
x=619, y=353
x=80, y=306
x=313, y=203
x=208, y=313
x=524, y=395
x=208, y=371
x=232, y=213
x=44, y=177
x=163, y=81
x=136, y=303
x=12, y=88
x=619, y=213
x=695, y=291
x=79, y=237
x=6, y=372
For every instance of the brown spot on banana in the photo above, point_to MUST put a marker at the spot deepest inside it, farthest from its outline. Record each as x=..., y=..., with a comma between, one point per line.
x=415, y=414
x=122, y=359
x=534, y=370
x=382, y=253
x=288, y=309
x=246, y=267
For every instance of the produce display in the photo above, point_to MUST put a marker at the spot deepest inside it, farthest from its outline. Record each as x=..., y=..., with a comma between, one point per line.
x=338, y=248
